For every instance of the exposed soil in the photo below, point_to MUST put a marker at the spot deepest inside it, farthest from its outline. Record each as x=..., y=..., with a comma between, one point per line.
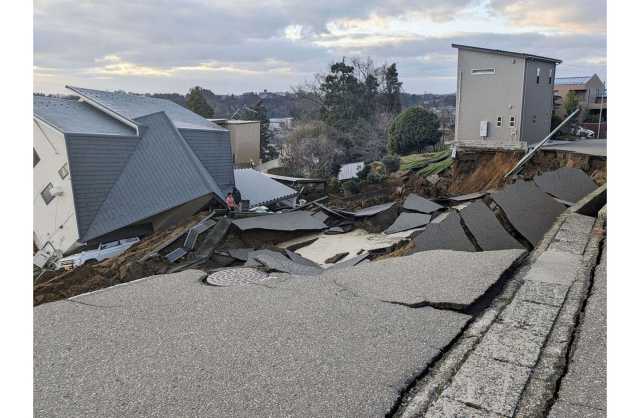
x=124, y=268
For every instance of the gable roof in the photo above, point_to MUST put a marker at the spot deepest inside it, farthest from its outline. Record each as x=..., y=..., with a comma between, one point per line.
x=260, y=189
x=569, y=81
x=508, y=53
x=162, y=173
x=73, y=116
x=133, y=106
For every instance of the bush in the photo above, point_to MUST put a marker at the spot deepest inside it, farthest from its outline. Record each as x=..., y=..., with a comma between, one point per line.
x=375, y=178
x=391, y=163
x=351, y=186
x=333, y=185
x=412, y=130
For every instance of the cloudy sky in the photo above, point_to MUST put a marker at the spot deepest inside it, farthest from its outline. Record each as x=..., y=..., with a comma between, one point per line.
x=235, y=46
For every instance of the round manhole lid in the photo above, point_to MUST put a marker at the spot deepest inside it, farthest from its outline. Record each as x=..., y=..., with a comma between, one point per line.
x=236, y=277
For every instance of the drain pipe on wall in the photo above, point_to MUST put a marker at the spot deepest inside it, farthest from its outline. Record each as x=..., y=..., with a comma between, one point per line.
x=539, y=145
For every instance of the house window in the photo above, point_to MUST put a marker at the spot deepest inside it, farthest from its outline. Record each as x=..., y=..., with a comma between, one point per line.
x=36, y=158
x=512, y=121
x=499, y=121
x=64, y=171
x=550, y=75
x=46, y=194
x=534, y=118
x=480, y=71
x=538, y=76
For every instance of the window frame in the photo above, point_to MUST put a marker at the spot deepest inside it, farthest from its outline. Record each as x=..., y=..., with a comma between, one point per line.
x=538, y=75
x=499, y=122
x=483, y=71
x=65, y=166
x=512, y=121
x=550, y=75
x=47, y=189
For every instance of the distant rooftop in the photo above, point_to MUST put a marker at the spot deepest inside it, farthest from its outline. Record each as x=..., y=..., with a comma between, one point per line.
x=509, y=53
x=132, y=106
x=565, y=81
x=73, y=116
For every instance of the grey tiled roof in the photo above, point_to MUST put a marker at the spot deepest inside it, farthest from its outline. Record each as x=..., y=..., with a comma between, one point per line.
x=260, y=189
x=162, y=173
x=132, y=106
x=73, y=116
x=565, y=81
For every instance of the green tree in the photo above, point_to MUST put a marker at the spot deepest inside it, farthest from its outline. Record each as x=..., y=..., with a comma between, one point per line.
x=259, y=112
x=412, y=130
x=391, y=90
x=571, y=102
x=343, y=97
x=197, y=103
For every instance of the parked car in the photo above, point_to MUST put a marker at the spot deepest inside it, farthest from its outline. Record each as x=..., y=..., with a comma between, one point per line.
x=104, y=251
x=583, y=132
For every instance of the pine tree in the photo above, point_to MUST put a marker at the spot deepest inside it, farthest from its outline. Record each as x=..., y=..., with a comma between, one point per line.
x=198, y=104
x=391, y=90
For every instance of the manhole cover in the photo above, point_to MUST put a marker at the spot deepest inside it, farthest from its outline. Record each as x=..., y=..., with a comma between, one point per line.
x=236, y=277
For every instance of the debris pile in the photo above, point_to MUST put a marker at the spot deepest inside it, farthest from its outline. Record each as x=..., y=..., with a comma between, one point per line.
x=315, y=238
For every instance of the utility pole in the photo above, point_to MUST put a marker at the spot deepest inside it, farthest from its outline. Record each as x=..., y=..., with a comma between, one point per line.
x=600, y=116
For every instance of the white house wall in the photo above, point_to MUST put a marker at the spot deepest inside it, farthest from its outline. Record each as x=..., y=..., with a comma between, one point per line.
x=54, y=222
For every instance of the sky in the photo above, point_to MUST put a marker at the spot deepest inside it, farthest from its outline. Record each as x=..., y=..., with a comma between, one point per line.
x=236, y=46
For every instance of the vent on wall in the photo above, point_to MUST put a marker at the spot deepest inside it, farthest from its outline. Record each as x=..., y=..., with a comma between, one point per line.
x=480, y=71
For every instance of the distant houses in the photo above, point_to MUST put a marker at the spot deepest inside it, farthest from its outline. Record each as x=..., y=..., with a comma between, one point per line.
x=590, y=92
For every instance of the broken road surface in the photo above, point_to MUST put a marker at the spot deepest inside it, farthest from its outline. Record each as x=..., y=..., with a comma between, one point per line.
x=172, y=346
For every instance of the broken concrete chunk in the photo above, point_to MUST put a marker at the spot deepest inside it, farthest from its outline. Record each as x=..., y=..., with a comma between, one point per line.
x=417, y=203
x=446, y=235
x=354, y=261
x=297, y=258
x=279, y=262
x=406, y=221
x=485, y=228
x=442, y=278
x=289, y=221
x=241, y=254
x=373, y=210
x=566, y=183
x=214, y=237
x=531, y=211
x=335, y=258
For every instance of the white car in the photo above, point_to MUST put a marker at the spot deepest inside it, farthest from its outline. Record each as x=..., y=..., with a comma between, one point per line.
x=104, y=251
x=584, y=132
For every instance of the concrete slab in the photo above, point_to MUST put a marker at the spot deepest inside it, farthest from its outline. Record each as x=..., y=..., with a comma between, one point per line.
x=531, y=211
x=489, y=384
x=552, y=294
x=407, y=221
x=486, y=229
x=290, y=221
x=416, y=203
x=448, y=408
x=450, y=278
x=173, y=346
x=568, y=410
x=595, y=147
x=514, y=345
x=446, y=235
x=352, y=242
x=279, y=262
x=534, y=317
x=555, y=267
x=585, y=382
x=566, y=183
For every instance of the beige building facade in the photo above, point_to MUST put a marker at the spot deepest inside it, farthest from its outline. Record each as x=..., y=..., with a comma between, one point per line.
x=245, y=140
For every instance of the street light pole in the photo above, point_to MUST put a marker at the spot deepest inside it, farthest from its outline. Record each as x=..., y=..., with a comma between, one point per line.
x=600, y=116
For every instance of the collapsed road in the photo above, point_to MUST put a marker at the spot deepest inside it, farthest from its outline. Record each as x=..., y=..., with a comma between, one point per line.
x=471, y=299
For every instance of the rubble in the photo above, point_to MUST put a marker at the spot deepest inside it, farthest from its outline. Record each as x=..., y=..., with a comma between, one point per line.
x=568, y=184
x=486, y=229
x=446, y=235
x=416, y=203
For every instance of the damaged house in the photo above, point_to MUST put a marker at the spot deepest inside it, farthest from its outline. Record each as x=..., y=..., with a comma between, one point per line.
x=114, y=165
